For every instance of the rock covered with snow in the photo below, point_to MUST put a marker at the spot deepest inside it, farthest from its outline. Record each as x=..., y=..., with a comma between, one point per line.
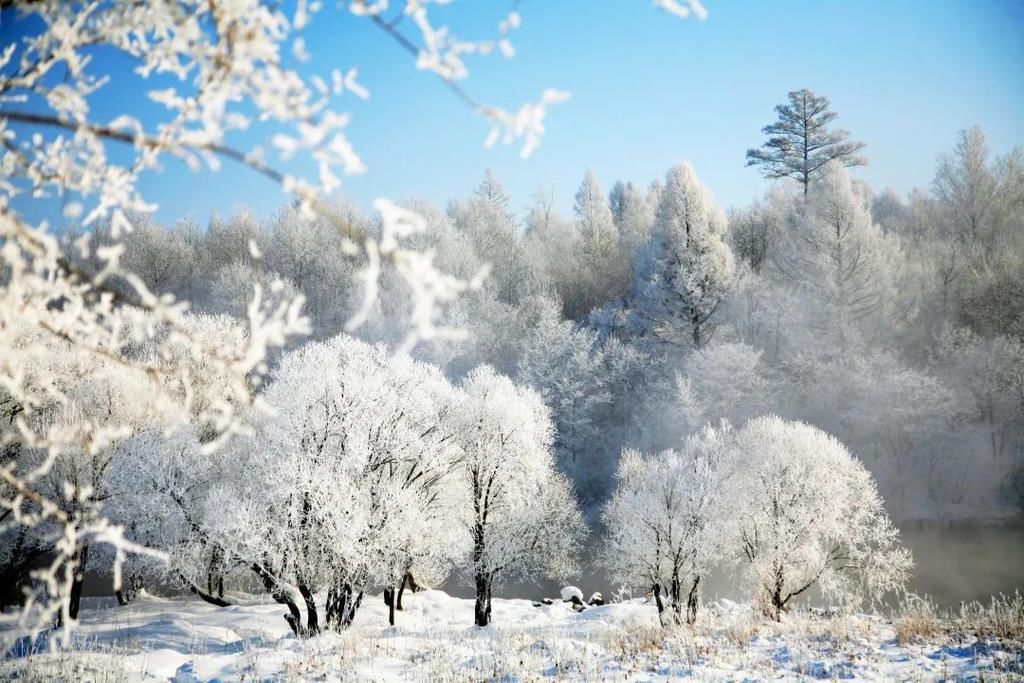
x=596, y=599
x=572, y=594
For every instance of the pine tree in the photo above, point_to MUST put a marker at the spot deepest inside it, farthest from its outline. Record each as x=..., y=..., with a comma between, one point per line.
x=687, y=269
x=594, y=219
x=603, y=268
x=634, y=219
x=801, y=143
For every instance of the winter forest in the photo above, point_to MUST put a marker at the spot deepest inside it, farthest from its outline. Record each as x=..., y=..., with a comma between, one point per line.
x=623, y=432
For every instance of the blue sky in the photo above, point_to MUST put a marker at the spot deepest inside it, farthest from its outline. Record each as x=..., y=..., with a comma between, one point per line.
x=649, y=91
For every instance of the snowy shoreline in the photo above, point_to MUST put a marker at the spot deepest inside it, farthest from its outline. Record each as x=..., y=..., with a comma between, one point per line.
x=434, y=639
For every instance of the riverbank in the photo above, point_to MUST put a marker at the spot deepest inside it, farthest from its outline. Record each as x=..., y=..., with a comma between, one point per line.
x=187, y=640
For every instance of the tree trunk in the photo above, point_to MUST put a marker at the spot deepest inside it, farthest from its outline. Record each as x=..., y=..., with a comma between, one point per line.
x=692, y=602
x=401, y=591
x=212, y=599
x=656, y=589
x=676, y=595
x=312, y=621
x=81, y=558
x=280, y=595
x=342, y=603
x=777, y=602
x=410, y=581
x=490, y=595
x=389, y=600
x=482, y=608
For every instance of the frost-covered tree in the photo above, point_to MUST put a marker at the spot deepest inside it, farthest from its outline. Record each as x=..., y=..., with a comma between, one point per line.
x=164, y=487
x=305, y=252
x=163, y=256
x=564, y=365
x=723, y=380
x=548, y=238
x=755, y=232
x=837, y=254
x=686, y=271
x=167, y=494
x=602, y=269
x=966, y=185
x=801, y=142
x=517, y=514
x=491, y=231
x=991, y=374
x=615, y=196
x=668, y=520
x=809, y=514
x=348, y=481
x=232, y=287
x=77, y=393
x=594, y=220
x=981, y=202
x=634, y=218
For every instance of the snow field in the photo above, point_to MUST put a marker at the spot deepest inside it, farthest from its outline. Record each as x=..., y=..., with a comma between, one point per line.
x=434, y=640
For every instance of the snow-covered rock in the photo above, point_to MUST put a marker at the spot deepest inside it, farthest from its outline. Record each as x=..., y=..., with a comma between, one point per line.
x=596, y=599
x=570, y=592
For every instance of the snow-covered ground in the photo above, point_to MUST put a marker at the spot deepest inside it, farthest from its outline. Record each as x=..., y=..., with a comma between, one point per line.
x=187, y=640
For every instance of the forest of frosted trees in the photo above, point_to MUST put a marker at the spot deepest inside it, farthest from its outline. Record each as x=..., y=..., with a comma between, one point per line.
x=891, y=322
x=648, y=322
x=731, y=419
x=695, y=387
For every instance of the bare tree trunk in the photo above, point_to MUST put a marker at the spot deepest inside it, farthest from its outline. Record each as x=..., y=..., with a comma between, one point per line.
x=401, y=591
x=280, y=595
x=777, y=603
x=389, y=600
x=482, y=607
x=692, y=602
x=656, y=589
x=312, y=620
x=80, y=558
x=342, y=603
x=206, y=597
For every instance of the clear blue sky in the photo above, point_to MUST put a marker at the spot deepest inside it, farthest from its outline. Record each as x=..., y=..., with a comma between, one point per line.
x=649, y=91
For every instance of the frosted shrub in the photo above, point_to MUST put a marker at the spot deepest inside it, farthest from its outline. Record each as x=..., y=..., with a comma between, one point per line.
x=917, y=619
x=1002, y=618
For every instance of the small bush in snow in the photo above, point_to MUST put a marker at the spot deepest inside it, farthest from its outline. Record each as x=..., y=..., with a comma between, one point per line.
x=918, y=620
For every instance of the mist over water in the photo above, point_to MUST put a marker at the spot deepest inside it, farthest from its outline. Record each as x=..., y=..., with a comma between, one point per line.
x=952, y=564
